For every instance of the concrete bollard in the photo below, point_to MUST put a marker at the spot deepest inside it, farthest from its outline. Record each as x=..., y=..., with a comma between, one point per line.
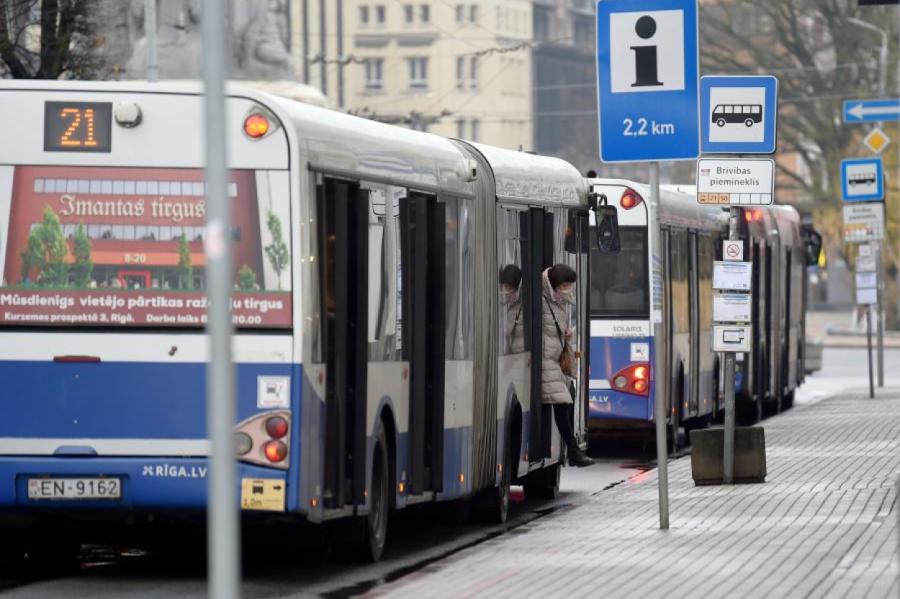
x=749, y=455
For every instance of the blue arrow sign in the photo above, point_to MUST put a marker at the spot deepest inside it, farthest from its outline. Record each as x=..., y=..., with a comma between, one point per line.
x=862, y=180
x=647, y=75
x=867, y=111
x=738, y=114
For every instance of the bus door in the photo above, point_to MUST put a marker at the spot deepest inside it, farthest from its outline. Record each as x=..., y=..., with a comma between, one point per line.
x=423, y=239
x=343, y=268
x=694, y=285
x=578, y=244
x=537, y=255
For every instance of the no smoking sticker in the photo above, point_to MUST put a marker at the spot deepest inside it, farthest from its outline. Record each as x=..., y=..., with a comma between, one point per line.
x=733, y=250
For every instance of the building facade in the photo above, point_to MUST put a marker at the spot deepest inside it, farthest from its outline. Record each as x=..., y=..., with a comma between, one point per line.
x=459, y=69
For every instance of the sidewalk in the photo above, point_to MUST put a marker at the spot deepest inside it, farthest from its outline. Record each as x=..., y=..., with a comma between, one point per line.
x=823, y=525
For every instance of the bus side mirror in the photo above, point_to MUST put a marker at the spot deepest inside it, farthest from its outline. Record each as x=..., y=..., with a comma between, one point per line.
x=607, y=219
x=813, y=241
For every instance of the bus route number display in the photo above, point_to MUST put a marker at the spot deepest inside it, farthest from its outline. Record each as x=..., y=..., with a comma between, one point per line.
x=77, y=126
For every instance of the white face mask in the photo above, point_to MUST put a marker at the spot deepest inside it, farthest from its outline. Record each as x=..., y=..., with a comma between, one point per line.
x=566, y=295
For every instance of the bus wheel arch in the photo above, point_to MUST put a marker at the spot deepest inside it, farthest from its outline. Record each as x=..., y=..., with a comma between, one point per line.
x=389, y=426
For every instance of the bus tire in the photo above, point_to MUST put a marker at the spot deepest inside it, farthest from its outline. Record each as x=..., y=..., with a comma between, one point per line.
x=496, y=509
x=379, y=499
x=787, y=400
x=720, y=122
x=749, y=122
x=543, y=484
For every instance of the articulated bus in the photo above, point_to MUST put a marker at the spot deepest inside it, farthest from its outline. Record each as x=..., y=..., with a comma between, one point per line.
x=373, y=362
x=780, y=249
x=647, y=299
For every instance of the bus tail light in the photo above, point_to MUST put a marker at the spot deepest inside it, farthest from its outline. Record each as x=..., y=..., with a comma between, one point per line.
x=276, y=451
x=264, y=439
x=256, y=125
x=630, y=198
x=634, y=379
x=276, y=427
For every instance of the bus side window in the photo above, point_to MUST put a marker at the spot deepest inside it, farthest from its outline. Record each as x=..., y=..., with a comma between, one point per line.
x=511, y=279
x=384, y=269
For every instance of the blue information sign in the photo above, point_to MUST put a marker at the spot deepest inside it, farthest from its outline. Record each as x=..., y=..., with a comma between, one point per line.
x=868, y=111
x=862, y=180
x=647, y=80
x=738, y=114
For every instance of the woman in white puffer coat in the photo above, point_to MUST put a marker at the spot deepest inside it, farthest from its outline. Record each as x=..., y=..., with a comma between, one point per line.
x=559, y=292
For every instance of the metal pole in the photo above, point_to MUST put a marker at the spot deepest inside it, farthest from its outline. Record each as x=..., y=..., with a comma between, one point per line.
x=879, y=315
x=728, y=433
x=869, y=352
x=150, y=36
x=223, y=515
x=660, y=395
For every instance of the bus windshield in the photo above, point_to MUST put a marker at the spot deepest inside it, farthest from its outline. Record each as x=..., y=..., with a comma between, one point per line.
x=119, y=247
x=619, y=282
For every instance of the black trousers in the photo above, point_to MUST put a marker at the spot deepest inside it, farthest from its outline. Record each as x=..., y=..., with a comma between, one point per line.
x=563, y=414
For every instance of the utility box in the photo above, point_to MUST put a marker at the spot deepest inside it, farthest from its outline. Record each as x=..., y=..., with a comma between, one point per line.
x=707, y=451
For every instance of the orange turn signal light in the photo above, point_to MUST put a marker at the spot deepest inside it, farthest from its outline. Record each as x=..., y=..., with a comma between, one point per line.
x=256, y=125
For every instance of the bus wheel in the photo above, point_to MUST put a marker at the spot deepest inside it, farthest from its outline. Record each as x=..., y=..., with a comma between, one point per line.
x=720, y=122
x=379, y=499
x=787, y=401
x=543, y=484
x=496, y=508
x=749, y=122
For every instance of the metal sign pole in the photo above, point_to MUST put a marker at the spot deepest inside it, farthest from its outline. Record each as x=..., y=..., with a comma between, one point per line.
x=879, y=281
x=660, y=405
x=223, y=515
x=728, y=441
x=150, y=35
x=869, y=351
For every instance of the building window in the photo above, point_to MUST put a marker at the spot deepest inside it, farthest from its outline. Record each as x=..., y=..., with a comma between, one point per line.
x=363, y=15
x=473, y=13
x=379, y=14
x=475, y=124
x=460, y=73
x=425, y=13
x=418, y=72
x=408, y=13
x=460, y=128
x=374, y=69
x=584, y=32
x=473, y=73
x=541, y=24
x=460, y=13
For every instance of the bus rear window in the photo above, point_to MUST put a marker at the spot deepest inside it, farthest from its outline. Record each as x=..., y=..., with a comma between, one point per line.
x=120, y=247
x=619, y=282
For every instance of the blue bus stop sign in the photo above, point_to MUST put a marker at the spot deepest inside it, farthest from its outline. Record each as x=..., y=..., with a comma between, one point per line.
x=738, y=114
x=862, y=180
x=647, y=60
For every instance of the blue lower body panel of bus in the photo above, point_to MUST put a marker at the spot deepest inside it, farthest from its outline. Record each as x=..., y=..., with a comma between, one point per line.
x=609, y=356
x=143, y=423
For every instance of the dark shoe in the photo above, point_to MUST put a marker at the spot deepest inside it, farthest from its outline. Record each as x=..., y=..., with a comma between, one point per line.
x=579, y=459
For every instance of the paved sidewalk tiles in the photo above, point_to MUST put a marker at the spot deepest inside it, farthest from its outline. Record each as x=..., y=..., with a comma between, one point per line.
x=823, y=525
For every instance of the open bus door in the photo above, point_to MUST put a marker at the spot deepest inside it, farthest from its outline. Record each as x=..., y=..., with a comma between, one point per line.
x=343, y=271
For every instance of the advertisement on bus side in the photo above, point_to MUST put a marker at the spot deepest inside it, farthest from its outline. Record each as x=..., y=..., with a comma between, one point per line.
x=120, y=247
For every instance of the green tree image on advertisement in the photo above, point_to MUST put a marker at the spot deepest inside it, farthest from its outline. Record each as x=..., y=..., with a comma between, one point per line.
x=247, y=279
x=184, y=271
x=84, y=265
x=46, y=252
x=277, y=251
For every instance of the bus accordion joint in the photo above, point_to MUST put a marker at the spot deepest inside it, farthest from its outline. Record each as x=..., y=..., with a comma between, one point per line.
x=634, y=379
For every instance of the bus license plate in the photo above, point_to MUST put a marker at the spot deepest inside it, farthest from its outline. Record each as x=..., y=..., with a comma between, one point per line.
x=74, y=488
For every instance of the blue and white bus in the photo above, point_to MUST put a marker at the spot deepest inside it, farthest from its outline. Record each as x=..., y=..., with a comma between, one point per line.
x=649, y=299
x=372, y=356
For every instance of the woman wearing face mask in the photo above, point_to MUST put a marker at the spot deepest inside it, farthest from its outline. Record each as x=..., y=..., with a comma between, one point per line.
x=559, y=292
x=511, y=298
